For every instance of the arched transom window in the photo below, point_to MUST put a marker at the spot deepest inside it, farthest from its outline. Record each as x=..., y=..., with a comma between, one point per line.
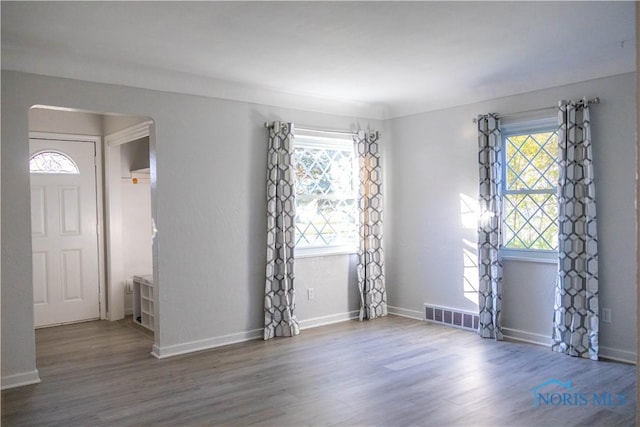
x=52, y=162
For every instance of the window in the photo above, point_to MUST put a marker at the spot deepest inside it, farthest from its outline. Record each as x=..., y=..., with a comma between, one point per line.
x=530, y=205
x=326, y=194
x=52, y=162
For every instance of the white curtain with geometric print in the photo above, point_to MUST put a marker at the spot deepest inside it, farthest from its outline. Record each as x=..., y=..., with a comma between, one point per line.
x=371, y=283
x=489, y=227
x=279, y=300
x=576, y=316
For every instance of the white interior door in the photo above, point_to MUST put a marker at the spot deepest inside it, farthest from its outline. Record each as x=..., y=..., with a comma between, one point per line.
x=64, y=232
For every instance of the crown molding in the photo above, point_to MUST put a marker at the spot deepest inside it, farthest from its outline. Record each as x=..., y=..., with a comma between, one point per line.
x=129, y=134
x=59, y=64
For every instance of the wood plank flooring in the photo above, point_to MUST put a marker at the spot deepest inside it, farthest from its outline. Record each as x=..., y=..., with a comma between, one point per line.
x=387, y=372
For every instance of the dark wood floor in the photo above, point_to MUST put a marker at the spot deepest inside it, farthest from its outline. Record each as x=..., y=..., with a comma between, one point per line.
x=390, y=371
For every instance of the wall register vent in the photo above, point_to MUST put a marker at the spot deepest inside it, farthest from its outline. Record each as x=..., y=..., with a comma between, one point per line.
x=452, y=317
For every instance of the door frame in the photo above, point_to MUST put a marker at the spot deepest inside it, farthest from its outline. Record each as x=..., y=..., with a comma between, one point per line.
x=114, y=244
x=97, y=141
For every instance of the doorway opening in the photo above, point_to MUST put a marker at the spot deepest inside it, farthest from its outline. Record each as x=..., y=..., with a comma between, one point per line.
x=93, y=238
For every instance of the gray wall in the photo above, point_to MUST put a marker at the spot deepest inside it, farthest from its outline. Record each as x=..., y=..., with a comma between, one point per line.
x=73, y=122
x=209, y=208
x=112, y=123
x=432, y=165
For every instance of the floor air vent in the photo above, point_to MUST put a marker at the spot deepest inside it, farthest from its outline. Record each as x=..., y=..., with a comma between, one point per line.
x=451, y=317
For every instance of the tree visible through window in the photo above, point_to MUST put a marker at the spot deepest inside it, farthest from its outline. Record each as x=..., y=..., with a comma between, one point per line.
x=326, y=192
x=530, y=182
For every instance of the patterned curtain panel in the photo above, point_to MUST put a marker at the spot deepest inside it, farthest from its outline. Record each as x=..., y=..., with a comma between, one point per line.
x=373, y=294
x=279, y=299
x=575, y=321
x=489, y=227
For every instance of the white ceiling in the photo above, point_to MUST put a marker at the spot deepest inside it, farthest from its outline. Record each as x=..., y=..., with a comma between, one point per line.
x=377, y=59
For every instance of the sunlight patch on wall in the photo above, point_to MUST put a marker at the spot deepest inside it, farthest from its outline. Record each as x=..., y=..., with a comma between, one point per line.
x=469, y=223
x=468, y=212
x=470, y=271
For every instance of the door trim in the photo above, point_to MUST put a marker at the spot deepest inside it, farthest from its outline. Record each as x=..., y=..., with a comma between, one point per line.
x=97, y=141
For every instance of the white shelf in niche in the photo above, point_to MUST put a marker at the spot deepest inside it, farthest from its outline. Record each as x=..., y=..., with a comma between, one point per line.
x=142, y=171
x=143, y=301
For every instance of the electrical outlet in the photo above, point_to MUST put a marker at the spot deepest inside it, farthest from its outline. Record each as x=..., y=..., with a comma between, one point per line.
x=311, y=294
x=129, y=286
x=606, y=315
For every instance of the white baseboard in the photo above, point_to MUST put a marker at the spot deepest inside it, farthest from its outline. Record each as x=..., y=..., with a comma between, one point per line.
x=328, y=320
x=192, y=346
x=617, y=355
x=403, y=312
x=19, y=380
x=607, y=353
x=209, y=343
x=528, y=337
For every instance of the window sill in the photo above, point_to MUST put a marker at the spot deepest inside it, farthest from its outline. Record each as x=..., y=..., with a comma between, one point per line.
x=541, y=257
x=325, y=251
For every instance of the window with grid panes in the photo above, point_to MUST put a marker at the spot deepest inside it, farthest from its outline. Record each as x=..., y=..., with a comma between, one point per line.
x=326, y=193
x=530, y=205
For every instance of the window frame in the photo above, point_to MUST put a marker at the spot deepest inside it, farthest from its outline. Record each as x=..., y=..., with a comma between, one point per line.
x=340, y=140
x=62, y=154
x=541, y=125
